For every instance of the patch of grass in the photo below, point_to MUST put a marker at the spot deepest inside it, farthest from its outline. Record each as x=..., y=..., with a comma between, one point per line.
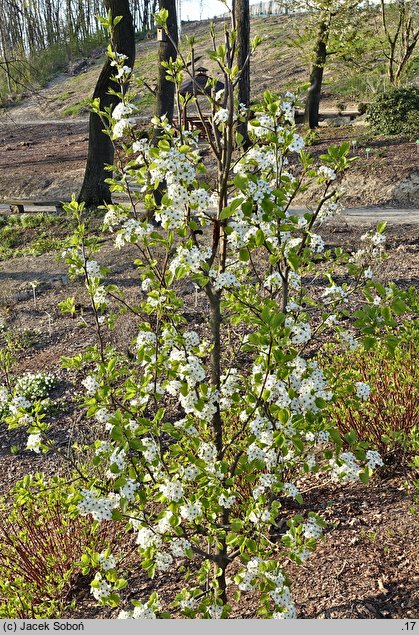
x=64, y=96
x=77, y=109
x=147, y=100
x=24, y=234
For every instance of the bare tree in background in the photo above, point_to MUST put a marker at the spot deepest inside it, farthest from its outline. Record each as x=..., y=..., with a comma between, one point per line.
x=95, y=191
x=241, y=15
x=401, y=40
x=165, y=90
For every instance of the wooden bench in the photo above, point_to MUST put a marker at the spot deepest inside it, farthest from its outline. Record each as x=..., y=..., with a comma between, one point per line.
x=193, y=122
x=19, y=206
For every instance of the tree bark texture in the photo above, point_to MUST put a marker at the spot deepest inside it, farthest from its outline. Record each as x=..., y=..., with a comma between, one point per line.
x=95, y=191
x=242, y=15
x=311, y=113
x=165, y=90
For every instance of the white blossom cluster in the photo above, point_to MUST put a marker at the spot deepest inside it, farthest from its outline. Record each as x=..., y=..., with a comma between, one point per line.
x=191, y=259
x=30, y=392
x=362, y=390
x=224, y=280
x=132, y=231
x=34, y=442
x=330, y=209
x=35, y=385
x=374, y=459
x=345, y=469
x=335, y=293
x=140, y=612
x=280, y=595
x=326, y=173
x=102, y=588
x=99, y=507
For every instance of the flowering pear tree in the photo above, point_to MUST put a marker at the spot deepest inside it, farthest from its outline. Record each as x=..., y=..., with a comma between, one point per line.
x=211, y=425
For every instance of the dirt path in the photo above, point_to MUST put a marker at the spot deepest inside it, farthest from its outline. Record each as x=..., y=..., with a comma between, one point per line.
x=45, y=160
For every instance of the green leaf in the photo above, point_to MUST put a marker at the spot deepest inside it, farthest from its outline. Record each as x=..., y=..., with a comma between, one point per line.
x=240, y=182
x=364, y=477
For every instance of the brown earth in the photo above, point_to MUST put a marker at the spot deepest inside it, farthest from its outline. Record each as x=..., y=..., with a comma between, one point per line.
x=45, y=161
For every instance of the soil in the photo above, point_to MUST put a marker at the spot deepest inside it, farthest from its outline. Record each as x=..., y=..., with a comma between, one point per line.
x=45, y=161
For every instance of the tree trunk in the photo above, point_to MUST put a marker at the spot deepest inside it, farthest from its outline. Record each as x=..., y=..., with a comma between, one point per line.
x=95, y=191
x=311, y=113
x=241, y=9
x=165, y=90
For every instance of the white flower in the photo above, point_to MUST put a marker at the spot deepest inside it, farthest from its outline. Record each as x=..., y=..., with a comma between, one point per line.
x=34, y=442
x=348, y=340
x=163, y=561
x=99, y=507
x=179, y=546
x=191, y=511
x=147, y=538
x=143, y=612
x=92, y=268
x=290, y=490
x=215, y=611
x=124, y=72
x=102, y=590
x=335, y=293
x=100, y=297
x=90, y=384
x=226, y=501
x=190, y=472
x=221, y=116
x=121, y=127
x=106, y=562
x=172, y=490
x=326, y=173
x=207, y=452
x=374, y=459
x=311, y=529
x=362, y=390
x=346, y=469
x=122, y=110
x=146, y=338
x=301, y=333
x=273, y=281
x=296, y=144
x=223, y=280
x=140, y=612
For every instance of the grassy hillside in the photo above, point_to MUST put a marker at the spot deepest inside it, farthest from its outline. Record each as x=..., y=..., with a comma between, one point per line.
x=277, y=66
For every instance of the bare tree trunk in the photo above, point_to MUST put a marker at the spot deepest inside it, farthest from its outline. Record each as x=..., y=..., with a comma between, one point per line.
x=242, y=16
x=311, y=113
x=95, y=191
x=165, y=91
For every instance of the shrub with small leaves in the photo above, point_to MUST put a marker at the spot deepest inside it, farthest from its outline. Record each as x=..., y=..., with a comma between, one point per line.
x=24, y=402
x=393, y=112
x=34, y=386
